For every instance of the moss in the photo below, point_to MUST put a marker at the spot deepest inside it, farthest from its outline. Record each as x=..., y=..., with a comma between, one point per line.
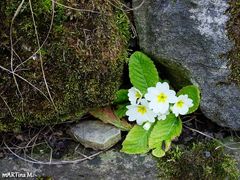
x=83, y=60
x=200, y=161
x=172, y=72
x=122, y=23
x=233, y=27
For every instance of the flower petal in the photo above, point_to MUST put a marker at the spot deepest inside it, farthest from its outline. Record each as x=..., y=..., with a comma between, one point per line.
x=163, y=108
x=162, y=86
x=183, y=110
x=147, y=126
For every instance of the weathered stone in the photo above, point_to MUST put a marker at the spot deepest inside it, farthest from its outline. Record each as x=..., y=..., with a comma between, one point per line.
x=95, y=134
x=189, y=40
x=107, y=166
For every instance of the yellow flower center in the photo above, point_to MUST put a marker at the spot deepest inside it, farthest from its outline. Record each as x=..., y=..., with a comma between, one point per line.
x=162, y=98
x=180, y=104
x=138, y=95
x=142, y=109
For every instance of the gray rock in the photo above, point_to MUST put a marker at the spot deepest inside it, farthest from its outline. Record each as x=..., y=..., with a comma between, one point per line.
x=189, y=39
x=95, y=134
x=107, y=166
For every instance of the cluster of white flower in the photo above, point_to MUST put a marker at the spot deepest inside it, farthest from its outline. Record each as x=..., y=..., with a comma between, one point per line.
x=157, y=103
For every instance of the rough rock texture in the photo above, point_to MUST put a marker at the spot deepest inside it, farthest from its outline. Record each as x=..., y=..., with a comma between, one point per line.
x=189, y=39
x=107, y=166
x=79, y=66
x=95, y=134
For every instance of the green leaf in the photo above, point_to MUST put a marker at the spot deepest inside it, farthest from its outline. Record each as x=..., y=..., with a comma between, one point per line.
x=121, y=110
x=167, y=145
x=107, y=116
x=142, y=72
x=121, y=96
x=162, y=148
x=136, y=141
x=194, y=93
x=165, y=130
x=158, y=151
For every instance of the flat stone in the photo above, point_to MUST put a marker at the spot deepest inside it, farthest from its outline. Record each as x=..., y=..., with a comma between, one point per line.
x=95, y=134
x=107, y=166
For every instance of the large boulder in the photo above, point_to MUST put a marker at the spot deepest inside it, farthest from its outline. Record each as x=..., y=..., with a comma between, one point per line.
x=55, y=66
x=189, y=39
x=107, y=166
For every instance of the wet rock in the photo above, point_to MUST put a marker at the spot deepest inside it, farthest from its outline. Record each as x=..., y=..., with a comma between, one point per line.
x=189, y=39
x=107, y=166
x=95, y=134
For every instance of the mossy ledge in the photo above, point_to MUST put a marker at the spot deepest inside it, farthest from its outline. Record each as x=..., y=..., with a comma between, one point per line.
x=201, y=160
x=82, y=58
x=233, y=27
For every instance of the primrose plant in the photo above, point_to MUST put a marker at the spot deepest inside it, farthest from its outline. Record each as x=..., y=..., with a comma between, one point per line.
x=159, y=101
x=155, y=107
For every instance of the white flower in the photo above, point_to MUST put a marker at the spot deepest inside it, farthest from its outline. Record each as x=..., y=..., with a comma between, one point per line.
x=160, y=97
x=147, y=126
x=182, y=105
x=140, y=112
x=162, y=116
x=134, y=95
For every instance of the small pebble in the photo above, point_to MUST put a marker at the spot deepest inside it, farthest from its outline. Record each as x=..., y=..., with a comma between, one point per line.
x=207, y=154
x=95, y=134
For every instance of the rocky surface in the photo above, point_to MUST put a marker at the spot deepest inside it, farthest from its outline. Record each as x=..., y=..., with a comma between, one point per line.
x=95, y=134
x=189, y=40
x=106, y=166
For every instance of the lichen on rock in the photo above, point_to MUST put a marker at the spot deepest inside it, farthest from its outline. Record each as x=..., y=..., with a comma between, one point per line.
x=208, y=24
x=82, y=59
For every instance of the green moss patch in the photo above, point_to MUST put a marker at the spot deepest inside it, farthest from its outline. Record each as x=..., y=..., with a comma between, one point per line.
x=233, y=27
x=82, y=58
x=204, y=160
